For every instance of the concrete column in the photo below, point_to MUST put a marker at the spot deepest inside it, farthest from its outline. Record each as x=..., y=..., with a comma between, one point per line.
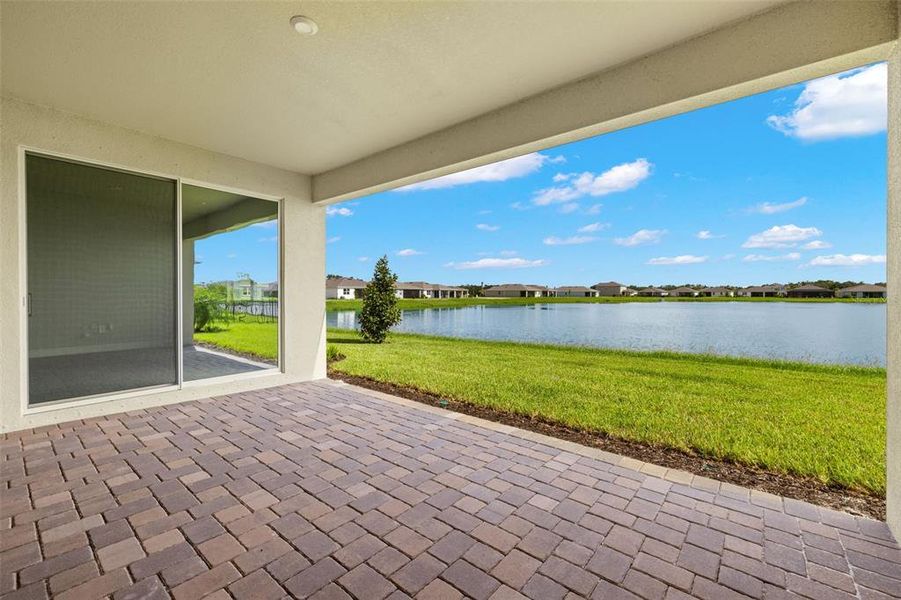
x=187, y=292
x=893, y=316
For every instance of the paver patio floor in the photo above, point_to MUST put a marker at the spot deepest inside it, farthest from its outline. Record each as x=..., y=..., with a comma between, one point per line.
x=324, y=490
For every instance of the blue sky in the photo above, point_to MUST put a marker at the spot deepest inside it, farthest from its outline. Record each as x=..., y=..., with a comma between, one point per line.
x=783, y=186
x=252, y=250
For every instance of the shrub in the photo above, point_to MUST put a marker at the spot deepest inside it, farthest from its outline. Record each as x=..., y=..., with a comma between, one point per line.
x=380, y=312
x=209, y=308
x=332, y=353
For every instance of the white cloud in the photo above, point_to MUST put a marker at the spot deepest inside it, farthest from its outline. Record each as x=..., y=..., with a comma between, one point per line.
x=363, y=258
x=519, y=206
x=781, y=236
x=616, y=179
x=772, y=258
x=496, y=263
x=408, y=252
x=684, y=259
x=334, y=239
x=641, y=237
x=570, y=241
x=594, y=209
x=340, y=211
x=569, y=207
x=486, y=227
x=816, y=245
x=559, y=177
x=847, y=104
x=485, y=212
x=705, y=234
x=847, y=260
x=769, y=208
x=511, y=168
x=231, y=255
x=594, y=227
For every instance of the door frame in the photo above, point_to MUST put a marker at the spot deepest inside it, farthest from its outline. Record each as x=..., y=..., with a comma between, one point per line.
x=23, y=151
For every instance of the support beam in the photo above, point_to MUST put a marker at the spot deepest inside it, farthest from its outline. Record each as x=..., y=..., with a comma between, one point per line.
x=790, y=43
x=251, y=210
x=893, y=314
x=187, y=292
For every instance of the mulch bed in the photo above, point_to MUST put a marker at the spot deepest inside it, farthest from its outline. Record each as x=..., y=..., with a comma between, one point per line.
x=798, y=487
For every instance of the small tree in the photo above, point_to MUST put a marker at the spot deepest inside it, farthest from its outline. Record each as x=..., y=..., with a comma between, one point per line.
x=380, y=312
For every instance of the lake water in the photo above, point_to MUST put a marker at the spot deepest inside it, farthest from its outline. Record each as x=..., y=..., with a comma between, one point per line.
x=841, y=333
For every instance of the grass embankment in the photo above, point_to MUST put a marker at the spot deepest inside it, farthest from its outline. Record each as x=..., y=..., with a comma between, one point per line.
x=413, y=304
x=821, y=421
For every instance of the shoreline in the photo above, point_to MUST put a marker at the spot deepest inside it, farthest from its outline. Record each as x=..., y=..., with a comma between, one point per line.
x=425, y=303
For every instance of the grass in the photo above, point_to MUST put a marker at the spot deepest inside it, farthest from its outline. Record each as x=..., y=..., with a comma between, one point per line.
x=822, y=421
x=249, y=336
x=413, y=304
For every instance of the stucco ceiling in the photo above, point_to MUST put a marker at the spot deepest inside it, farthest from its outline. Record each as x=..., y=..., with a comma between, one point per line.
x=235, y=78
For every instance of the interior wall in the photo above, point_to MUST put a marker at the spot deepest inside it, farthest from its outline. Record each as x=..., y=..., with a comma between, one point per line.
x=302, y=258
x=80, y=301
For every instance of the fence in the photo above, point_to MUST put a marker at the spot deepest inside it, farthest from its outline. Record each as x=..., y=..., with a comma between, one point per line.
x=264, y=310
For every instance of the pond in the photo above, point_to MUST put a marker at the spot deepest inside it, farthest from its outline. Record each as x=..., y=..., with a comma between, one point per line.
x=837, y=333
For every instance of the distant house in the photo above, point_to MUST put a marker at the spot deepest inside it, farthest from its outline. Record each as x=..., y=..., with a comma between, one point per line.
x=576, y=291
x=652, y=291
x=630, y=292
x=413, y=289
x=810, y=291
x=423, y=289
x=270, y=290
x=713, y=292
x=516, y=290
x=610, y=288
x=448, y=291
x=344, y=288
x=760, y=291
x=684, y=292
x=862, y=291
x=244, y=289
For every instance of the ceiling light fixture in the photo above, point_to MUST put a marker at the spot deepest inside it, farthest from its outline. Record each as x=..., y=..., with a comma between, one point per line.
x=304, y=25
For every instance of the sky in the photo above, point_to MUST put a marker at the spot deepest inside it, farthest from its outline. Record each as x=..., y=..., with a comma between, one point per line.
x=252, y=250
x=784, y=186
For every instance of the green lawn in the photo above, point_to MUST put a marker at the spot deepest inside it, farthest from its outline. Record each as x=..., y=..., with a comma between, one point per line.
x=247, y=337
x=827, y=422
x=412, y=304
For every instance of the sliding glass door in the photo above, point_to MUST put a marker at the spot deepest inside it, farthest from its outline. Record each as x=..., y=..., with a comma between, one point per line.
x=230, y=293
x=102, y=280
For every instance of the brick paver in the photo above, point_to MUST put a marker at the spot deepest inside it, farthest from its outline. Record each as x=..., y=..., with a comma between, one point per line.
x=324, y=490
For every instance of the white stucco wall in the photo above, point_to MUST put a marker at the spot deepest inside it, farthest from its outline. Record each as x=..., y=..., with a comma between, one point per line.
x=303, y=250
x=893, y=316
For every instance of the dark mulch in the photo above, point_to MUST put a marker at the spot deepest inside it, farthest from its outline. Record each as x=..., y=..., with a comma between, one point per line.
x=798, y=487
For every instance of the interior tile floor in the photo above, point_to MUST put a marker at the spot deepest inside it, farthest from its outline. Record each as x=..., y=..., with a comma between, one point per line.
x=85, y=374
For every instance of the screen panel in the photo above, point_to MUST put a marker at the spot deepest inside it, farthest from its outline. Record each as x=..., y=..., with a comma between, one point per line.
x=102, y=269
